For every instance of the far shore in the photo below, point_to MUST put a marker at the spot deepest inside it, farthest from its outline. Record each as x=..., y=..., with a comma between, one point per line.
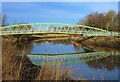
x=93, y=41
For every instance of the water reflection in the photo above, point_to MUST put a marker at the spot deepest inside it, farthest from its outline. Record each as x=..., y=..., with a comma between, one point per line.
x=103, y=68
x=50, y=47
x=109, y=63
x=57, y=47
x=100, y=68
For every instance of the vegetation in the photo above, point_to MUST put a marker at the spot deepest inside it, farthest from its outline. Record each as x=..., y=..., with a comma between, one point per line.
x=111, y=42
x=21, y=68
x=16, y=67
x=53, y=71
x=108, y=21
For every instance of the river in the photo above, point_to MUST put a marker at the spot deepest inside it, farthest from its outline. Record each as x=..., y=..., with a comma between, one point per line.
x=105, y=68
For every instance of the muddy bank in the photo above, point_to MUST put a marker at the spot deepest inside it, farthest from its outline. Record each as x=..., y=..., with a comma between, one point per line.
x=51, y=39
x=103, y=41
x=35, y=37
x=50, y=36
x=113, y=42
x=76, y=37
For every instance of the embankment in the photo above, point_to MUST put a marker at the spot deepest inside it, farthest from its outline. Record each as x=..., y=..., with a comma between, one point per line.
x=103, y=41
x=94, y=41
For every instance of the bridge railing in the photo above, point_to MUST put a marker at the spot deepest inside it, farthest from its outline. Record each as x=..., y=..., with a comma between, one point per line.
x=85, y=33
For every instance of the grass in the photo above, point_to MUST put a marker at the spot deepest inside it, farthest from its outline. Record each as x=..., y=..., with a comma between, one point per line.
x=10, y=63
x=16, y=67
x=53, y=71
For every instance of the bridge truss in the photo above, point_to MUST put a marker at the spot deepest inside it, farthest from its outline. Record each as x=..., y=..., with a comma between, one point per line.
x=42, y=28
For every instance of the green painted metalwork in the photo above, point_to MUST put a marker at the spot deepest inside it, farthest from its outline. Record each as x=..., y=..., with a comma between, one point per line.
x=41, y=28
x=40, y=59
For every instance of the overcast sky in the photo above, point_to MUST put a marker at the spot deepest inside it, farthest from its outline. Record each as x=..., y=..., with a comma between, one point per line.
x=63, y=12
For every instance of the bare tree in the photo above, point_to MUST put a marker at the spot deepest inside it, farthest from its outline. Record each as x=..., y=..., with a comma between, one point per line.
x=108, y=21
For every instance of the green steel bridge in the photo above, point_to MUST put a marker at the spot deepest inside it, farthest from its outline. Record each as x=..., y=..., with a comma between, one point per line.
x=40, y=59
x=42, y=28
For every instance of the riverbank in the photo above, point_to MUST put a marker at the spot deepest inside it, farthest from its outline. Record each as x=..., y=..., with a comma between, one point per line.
x=93, y=41
x=109, y=41
x=22, y=68
x=103, y=41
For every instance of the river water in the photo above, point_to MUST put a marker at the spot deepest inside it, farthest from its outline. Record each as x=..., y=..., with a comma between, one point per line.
x=106, y=68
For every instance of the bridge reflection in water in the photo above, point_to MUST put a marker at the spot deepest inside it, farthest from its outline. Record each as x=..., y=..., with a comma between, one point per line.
x=88, y=65
x=40, y=59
